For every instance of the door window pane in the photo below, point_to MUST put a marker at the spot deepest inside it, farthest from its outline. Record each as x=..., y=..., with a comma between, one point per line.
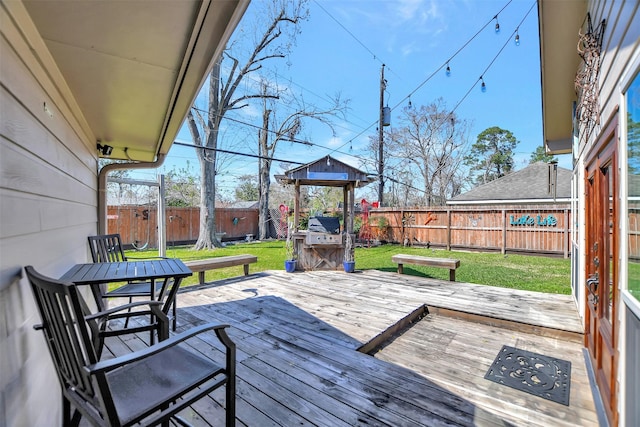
x=633, y=196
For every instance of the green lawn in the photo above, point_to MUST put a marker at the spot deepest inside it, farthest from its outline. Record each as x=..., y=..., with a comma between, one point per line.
x=532, y=273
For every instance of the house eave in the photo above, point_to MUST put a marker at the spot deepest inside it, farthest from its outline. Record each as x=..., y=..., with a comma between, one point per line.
x=128, y=72
x=559, y=22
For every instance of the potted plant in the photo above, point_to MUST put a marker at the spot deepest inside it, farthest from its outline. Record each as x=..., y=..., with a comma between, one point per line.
x=290, y=258
x=349, y=264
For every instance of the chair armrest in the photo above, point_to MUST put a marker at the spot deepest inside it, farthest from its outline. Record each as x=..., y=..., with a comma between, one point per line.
x=106, y=313
x=111, y=364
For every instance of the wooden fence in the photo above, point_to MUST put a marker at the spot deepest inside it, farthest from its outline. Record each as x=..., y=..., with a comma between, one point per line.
x=138, y=225
x=524, y=228
x=540, y=229
x=634, y=230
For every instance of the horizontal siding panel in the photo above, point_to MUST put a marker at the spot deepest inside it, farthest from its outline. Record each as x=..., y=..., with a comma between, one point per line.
x=28, y=81
x=25, y=173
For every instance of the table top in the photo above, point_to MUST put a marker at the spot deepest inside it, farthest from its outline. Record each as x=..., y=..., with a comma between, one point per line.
x=101, y=272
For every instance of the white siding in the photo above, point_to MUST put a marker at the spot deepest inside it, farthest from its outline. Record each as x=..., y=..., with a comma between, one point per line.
x=48, y=206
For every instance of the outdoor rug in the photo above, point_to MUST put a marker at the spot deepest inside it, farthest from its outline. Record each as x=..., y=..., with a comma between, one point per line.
x=542, y=376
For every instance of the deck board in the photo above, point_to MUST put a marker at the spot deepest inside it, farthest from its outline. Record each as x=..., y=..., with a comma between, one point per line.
x=296, y=336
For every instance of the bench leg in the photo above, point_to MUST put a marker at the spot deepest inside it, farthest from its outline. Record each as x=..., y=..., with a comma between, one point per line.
x=400, y=269
x=246, y=269
x=452, y=275
x=201, y=276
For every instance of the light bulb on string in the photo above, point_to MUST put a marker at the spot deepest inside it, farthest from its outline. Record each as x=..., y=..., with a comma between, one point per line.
x=483, y=87
x=410, y=104
x=448, y=71
x=517, y=39
x=497, y=24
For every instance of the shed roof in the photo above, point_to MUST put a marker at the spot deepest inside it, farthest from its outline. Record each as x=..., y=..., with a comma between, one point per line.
x=327, y=172
x=528, y=185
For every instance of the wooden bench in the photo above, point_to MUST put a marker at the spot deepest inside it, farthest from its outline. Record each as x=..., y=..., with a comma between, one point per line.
x=200, y=266
x=449, y=263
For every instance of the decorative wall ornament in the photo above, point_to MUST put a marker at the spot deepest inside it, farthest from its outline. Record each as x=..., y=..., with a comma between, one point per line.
x=586, y=83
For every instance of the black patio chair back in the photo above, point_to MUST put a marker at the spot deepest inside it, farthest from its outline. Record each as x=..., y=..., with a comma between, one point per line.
x=106, y=248
x=146, y=387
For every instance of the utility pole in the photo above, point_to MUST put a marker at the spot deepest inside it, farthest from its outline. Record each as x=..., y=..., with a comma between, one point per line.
x=383, y=85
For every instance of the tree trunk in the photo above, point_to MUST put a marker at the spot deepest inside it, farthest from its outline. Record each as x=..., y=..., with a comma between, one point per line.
x=207, y=236
x=207, y=158
x=263, y=173
x=263, y=209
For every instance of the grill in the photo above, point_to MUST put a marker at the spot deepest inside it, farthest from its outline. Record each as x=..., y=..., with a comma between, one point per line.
x=324, y=224
x=323, y=230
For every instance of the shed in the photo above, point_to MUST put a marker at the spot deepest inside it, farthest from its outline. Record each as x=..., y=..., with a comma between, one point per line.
x=317, y=250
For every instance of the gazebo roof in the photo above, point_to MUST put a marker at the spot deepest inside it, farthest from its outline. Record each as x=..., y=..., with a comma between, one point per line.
x=327, y=172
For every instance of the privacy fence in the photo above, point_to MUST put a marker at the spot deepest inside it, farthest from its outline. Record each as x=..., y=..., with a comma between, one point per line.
x=542, y=229
x=138, y=225
x=536, y=229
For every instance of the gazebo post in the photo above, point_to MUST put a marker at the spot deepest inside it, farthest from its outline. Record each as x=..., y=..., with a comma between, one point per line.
x=296, y=207
x=345, y=210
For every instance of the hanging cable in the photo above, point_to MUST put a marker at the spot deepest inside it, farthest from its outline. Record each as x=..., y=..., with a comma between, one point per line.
x=220, y=150
x=493, y=60
x=375, y=57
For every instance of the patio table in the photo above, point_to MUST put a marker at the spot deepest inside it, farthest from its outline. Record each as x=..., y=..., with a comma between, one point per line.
x=170, y=270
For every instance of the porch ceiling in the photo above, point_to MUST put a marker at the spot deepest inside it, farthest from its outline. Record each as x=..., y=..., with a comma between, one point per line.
x=559, y=22
x=134, y=68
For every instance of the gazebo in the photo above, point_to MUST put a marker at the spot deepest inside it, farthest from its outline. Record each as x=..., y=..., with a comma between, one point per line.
x=320, y=248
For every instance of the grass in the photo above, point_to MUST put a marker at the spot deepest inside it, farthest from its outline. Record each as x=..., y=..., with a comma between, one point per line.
x=531, y=273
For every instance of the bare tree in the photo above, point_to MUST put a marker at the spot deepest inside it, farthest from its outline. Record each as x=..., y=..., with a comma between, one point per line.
x=283, y=127
x=182, y=186
x=281, y=17
x=431, y=140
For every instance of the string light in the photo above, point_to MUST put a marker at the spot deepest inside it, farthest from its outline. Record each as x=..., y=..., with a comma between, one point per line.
x=517, y=40
x=447, y=67
x=448, y=70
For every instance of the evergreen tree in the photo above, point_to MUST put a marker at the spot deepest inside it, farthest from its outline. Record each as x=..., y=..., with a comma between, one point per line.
x=540, y=155
x=491, y=157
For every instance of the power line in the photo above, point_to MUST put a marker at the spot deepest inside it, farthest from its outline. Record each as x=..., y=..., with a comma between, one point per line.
x=237, y=153
x=350, y=141
x=507, y=41
x=446, y=63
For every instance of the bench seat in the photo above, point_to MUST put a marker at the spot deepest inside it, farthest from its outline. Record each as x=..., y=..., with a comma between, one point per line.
x=200, y=266
x=449, y=263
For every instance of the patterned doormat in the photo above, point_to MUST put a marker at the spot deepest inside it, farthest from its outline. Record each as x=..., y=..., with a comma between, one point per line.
x=542, y=376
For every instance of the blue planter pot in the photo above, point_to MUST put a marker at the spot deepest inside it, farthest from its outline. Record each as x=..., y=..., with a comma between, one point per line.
x=349, y=266
x=290, y=265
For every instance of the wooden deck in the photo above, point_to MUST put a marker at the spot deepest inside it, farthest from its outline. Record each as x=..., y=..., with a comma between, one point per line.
x=298, y=335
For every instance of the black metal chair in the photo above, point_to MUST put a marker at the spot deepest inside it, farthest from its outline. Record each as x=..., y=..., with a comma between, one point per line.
x=146, y=387
x=109, y=248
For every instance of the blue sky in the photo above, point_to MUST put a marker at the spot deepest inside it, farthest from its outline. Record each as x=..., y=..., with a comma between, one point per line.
x=341, y=49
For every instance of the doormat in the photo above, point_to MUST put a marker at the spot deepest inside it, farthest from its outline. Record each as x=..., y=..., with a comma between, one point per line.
x=542, y=376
